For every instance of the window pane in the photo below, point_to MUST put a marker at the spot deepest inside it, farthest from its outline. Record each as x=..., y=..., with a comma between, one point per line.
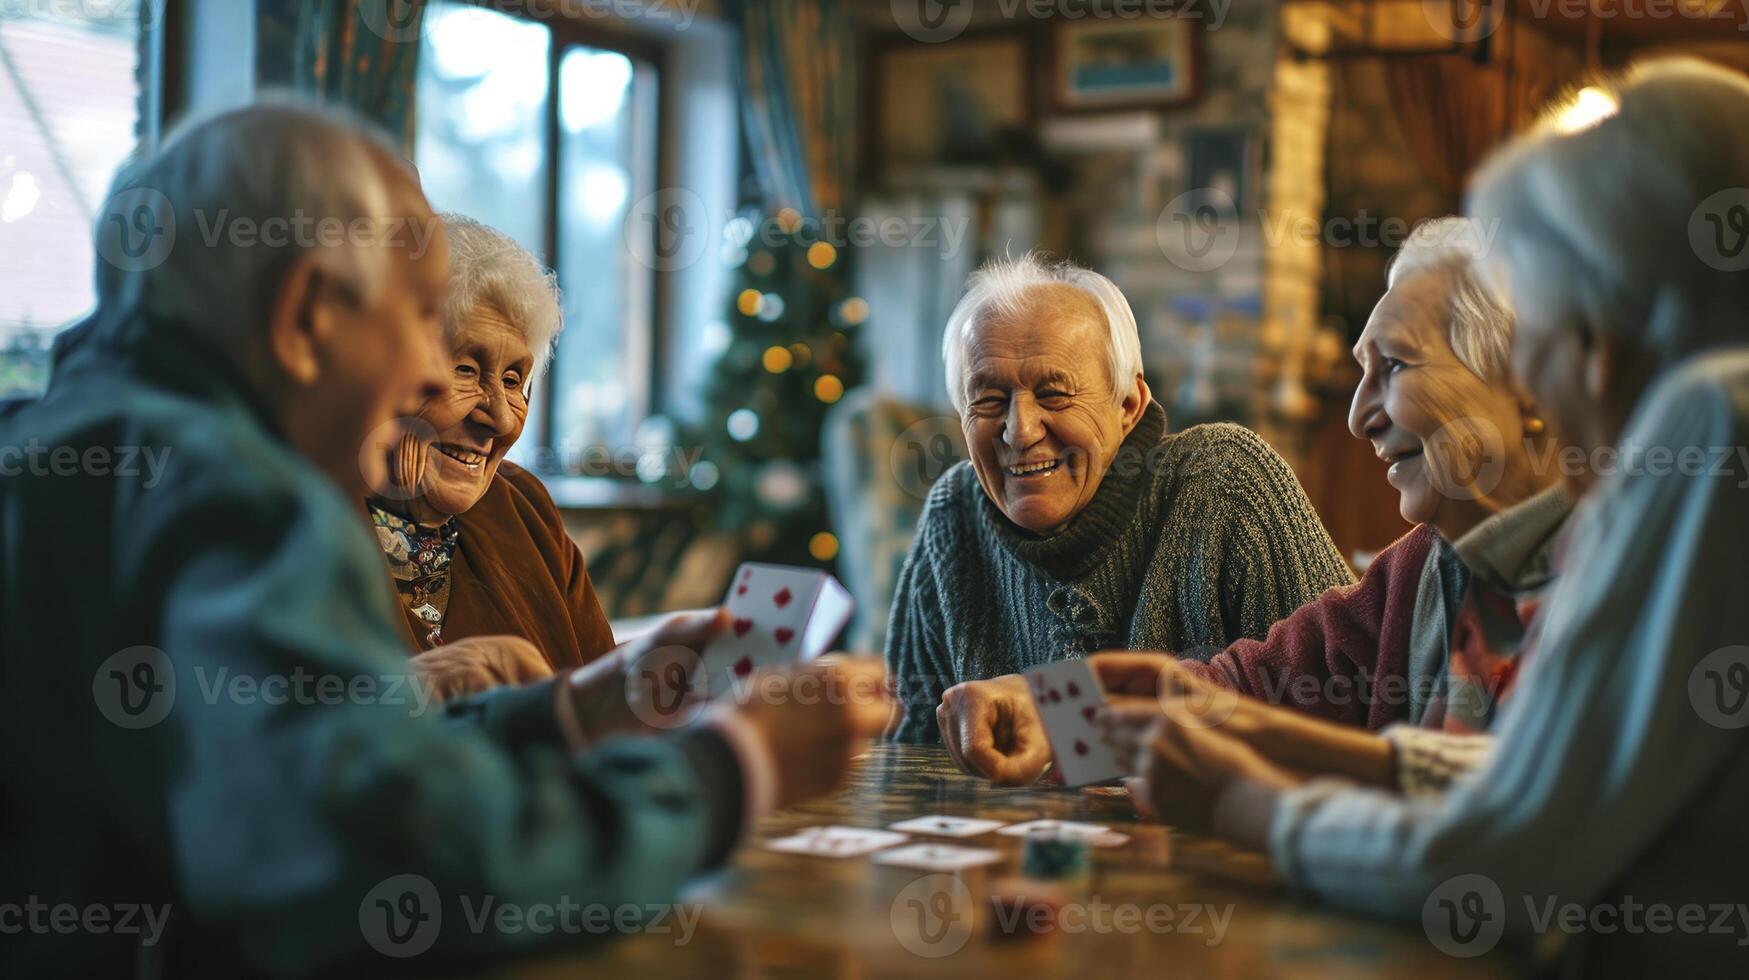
x=481, y=142
x=607, y=161
x=69, y=114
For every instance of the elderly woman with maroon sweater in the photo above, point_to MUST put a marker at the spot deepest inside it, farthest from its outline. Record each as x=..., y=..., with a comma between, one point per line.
x=1429, y=636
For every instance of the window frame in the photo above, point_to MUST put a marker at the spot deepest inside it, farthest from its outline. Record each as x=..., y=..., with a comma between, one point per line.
x=566, y=33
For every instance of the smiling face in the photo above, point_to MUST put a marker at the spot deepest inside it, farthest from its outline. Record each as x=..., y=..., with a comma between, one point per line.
x=479, y=418
x=1041, y=418
x=1454, y=442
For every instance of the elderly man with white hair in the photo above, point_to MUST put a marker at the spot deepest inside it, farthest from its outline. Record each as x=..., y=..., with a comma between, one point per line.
x=207, y=705
x=1426, y=643
x=1606, y=828
x=1080, y=522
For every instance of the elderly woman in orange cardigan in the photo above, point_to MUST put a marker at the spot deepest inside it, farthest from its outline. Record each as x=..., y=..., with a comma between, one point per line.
x=474, y=542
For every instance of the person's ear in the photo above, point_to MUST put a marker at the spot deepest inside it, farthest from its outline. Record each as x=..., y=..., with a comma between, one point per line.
x=1135, y=401
x=297, y=318
x=1602, y=353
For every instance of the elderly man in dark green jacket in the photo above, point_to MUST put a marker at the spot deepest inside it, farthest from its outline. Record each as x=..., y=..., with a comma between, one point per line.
x=217, y=756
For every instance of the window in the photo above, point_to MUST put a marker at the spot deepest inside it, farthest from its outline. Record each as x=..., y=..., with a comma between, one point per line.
x=69, y=115
x=551, y=138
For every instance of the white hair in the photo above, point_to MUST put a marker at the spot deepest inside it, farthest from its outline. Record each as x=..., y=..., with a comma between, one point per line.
x=1001, y=290
x=488, y=269
x=1598, y=222
x=290, y=177
x=1479, y=321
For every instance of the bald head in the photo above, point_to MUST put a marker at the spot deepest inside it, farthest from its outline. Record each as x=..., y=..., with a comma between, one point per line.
x=203, y=231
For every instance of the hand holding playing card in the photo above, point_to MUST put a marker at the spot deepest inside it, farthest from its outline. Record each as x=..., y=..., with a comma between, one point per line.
x=777, y=614
x=646, y=684
x=1068, y=697
x=1186, y=768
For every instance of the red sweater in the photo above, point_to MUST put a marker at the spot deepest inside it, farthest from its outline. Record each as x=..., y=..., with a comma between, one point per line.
x=1344, y=655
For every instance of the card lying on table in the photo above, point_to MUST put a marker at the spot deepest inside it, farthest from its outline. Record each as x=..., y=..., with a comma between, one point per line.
x=836, y=841
x=1067, y=694
x=778, y=614
x=938, y=857
x=946, y=826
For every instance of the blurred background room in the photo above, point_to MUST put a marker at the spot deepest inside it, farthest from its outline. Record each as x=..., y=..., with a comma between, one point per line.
x=761, y=211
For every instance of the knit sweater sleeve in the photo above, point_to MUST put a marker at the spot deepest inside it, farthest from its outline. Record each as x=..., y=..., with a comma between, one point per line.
x=1276, y=555
x=916, y=649
x=1342, y=657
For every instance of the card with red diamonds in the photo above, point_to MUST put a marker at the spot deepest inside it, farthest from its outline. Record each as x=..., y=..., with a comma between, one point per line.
x=1067, y=694
x=778, y=614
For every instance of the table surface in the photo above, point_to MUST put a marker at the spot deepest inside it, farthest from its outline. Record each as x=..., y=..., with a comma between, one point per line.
x=1215, y=911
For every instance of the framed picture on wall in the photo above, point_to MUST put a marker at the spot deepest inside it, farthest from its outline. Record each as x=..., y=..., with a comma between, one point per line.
x=1109, y=64
x=950, y=102
x=1225, y=160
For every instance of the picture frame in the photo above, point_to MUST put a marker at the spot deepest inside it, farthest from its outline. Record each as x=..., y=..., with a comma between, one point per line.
x=1124, y=64
x=940, y=103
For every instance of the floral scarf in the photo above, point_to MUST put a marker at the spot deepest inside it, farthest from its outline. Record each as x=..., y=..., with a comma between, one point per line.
x=419, y=561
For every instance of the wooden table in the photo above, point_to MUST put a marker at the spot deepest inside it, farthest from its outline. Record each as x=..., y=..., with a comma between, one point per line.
x=780, y=915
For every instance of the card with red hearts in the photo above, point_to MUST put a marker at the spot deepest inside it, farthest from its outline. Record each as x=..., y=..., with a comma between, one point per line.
x=1067, y=694
x=778, y=614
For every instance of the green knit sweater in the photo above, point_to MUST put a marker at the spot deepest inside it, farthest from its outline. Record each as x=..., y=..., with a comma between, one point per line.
x=1193, y=540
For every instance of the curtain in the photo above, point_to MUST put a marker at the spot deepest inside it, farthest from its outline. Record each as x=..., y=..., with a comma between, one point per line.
x=357, y=53
x=798, y=74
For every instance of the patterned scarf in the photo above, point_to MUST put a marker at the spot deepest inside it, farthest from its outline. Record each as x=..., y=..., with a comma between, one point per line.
x=419, y=561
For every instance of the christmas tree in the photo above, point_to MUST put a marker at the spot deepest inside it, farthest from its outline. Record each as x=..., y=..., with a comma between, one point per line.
x=791, y=354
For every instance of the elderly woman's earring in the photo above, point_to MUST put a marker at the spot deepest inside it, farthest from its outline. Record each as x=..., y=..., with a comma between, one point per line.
x=1534, y=425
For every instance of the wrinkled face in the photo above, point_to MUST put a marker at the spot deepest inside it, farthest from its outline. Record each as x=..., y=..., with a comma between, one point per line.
x=1454, y=443
x=1040, y=417
x=379, y=361
x=481, y=415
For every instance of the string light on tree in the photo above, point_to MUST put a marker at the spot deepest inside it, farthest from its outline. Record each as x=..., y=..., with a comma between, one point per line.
x=823, y=546
x=828, y=388
x=791, y=354
x=777, y=360
x=743, y=424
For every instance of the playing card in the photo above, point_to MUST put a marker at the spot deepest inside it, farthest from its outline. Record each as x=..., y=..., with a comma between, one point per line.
x=1068, y=828
x=1067, y=694
x=778, y=614
x=836, y=841
x=938, y=857
x=946, y=826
